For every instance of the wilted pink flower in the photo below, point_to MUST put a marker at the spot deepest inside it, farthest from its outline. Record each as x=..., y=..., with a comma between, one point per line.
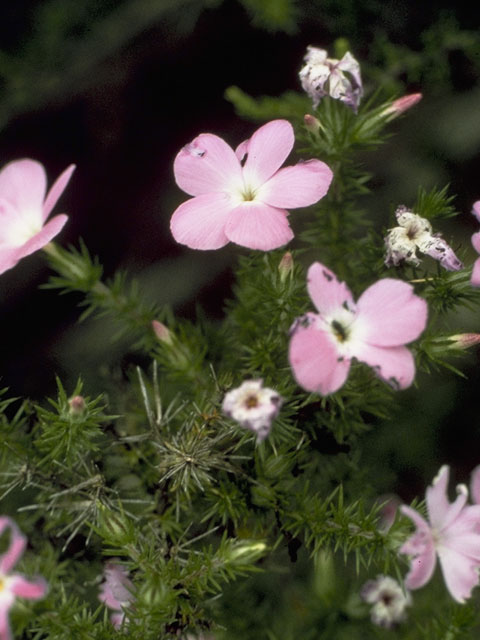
x=389, y=601
x=253, y=406
x=24, y=210
x=475, y=279
x=116, y=592
x=322, y=76
x=243, y=201
x=387, y=316
x=14, y=585
x=452, y=533
x=415, y=232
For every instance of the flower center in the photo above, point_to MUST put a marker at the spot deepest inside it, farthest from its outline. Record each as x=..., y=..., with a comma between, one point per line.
x=251, y=402
x=339, y=331
x=248, y=194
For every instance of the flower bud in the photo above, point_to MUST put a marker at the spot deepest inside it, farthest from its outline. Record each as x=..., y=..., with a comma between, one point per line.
x=162, y=332
x=77, y=405
x=402, y=104
x=463, y=340
x=312, y=124
x=285, y=266
x=247, y=551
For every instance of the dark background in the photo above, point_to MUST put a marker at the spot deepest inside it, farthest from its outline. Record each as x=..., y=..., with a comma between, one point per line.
x=119, y=87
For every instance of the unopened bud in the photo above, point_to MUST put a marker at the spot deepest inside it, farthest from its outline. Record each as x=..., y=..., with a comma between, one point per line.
x=285, y=266
x=312, y=124
x=402, y=104
x=77, y=405
x=162, y=332
x=247, y=552
x=464, y=340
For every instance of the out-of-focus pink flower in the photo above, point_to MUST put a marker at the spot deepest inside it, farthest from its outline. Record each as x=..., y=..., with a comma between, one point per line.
x=475, y=279
x=389, y=601
x=387, y=316
x=116, y=592
x=452, y=533
x=388, y=511
x=415, y=232
x=402, y=104
x=242, y=196
x=14, y=585
x=322, y=76
x=24, y=210
x=253, y=406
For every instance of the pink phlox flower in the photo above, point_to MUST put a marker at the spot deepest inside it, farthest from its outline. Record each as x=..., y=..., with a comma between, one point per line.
x=242, y=196
x=387, y=316
x=253, y=406
x=116, y=592
x=475, y=279
x=389, y=601
x=452, y=533
x=414, y=232
x=323, y=76
x=24, y=210
x=14, y=585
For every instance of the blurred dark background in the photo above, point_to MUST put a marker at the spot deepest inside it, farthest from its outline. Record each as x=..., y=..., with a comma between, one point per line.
x=118, y=87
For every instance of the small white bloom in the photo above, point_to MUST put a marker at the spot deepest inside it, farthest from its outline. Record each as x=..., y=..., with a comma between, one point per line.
x=253, y=406
x=389, y=601
x=415, y=232
x=322, y=76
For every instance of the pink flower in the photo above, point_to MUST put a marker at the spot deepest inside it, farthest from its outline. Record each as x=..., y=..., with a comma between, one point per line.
x=387, y=316
x=452, y=533
x=475, y=279
x=24, y=210
x=243, y=201
x=116, y=592
x=13, y=585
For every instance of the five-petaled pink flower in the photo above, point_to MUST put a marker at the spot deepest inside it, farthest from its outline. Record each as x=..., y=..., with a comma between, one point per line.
x=387, y=316
x=24, y=210
x=242, y=196
x=475, y=279
x=116, y=592
x=452, y=533
x=14, y=585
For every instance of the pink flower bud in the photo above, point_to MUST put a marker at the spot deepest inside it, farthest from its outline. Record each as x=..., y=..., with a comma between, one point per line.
x=403, y=104
x=162, y=332
x=464, y=340
x=285, y=266
x=312, y=124
x=77, y=405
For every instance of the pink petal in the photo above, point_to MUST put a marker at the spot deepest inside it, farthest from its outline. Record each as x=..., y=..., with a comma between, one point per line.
x=394, y=365
x=436, y=498
x=258, y=226
x=32, y=590
x=475, y=278
x=23, y=184
x=315, y=361
x=268, y=149
x=459, y=571
x=476, y=241
x=392, y=314
x=421, y=547
x=16, y=547
x=207, y=165
x=297, y=186
x=56, y=190
x=467, y=521
x=200, y=222
x=476, y=210
x=242, y=150
x=328, y=294
x=5, y=631
x=475, y=485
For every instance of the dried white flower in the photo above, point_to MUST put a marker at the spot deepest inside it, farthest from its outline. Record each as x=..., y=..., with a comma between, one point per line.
x=415, y=232
x=389, y=601
x=253, y=406
x=322, y=76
